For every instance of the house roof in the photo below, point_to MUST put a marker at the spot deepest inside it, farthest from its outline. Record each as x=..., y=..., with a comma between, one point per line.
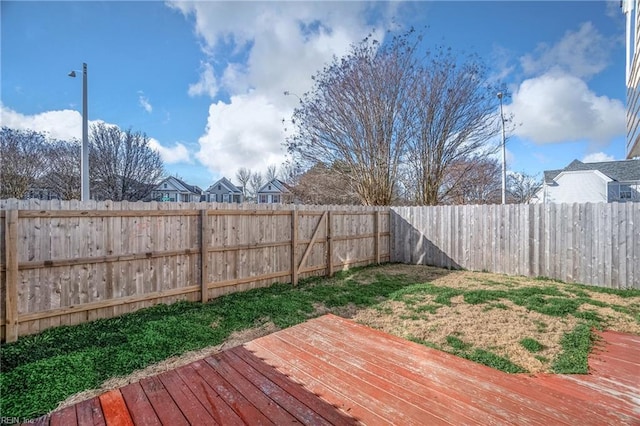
x=181, y=185
x=279, y=186
x=621, y=171
x=227, y=184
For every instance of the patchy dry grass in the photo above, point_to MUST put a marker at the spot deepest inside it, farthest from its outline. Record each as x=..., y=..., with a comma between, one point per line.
x=495, y=313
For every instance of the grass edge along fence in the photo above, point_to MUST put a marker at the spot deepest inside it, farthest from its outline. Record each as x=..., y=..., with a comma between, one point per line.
x=67, y=262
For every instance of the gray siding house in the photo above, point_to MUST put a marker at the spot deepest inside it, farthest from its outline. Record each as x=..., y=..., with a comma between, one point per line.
x=223, y=191
x=174, y=189
x=274, y=192
x=603, y=182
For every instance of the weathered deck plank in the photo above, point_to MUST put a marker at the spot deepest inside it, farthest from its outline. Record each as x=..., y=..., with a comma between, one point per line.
x=332, y=371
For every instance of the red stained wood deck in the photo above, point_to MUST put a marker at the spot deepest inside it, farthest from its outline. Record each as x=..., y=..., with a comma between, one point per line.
x=332, y=371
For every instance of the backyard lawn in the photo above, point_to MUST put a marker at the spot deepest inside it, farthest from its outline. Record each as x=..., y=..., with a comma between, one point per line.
x=514, y=324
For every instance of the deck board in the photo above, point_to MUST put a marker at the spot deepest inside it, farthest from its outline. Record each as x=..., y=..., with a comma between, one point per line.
x=90, y=412
x=139, y=406
x=330, y=370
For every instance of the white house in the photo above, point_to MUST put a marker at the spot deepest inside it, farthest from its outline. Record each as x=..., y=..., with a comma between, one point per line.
x=602, y=182
x=274, y=192
x=174, y=189
x=223, y=191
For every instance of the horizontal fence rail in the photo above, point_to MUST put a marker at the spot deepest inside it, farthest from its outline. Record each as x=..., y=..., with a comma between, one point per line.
x=65, y=263
x=596, y=244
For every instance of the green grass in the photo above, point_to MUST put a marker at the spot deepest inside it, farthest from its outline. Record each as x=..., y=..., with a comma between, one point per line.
x=576, y=346
x=457, y=344
x=495, y=361
x=39, y=371
x=531, y=344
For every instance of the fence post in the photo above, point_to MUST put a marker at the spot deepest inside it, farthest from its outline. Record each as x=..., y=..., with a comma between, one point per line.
x=376, y=230
x=294, y=246
x=329, y=246
x=204, y=255
x=11, y=297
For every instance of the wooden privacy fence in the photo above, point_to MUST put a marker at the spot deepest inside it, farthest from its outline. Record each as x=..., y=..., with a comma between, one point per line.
x=68, y=266
x=597, y=244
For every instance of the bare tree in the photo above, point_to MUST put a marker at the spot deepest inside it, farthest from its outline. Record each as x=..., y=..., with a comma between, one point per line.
x=475, y=180
x=522, y=186
x=325, y=185
x=290, y=173
x=357, y=114
x=22, y=161
x=457, y=116
x=123, y=165
x=243, y=175
x=63, y=176
x=255, y=184
x=272, y=172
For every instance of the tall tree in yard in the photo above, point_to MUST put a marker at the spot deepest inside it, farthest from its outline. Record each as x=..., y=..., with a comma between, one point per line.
x=63, y=176
x=122, y=164
x=23, y=161
x=358, y=115
x=390, y=110
x=457, y=117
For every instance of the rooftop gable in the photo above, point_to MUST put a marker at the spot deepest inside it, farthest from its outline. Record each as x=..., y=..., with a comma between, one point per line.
x=277, y=186
x=176, y=184
x=228, y=185
x=621, y=171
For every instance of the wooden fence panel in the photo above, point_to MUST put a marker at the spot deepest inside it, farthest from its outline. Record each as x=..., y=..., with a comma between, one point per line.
x=78, y=262
x=589, y=243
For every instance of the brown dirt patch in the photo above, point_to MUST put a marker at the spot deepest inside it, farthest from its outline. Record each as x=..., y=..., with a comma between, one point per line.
x=235, y=339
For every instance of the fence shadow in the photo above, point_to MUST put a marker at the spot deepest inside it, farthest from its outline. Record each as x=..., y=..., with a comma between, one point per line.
x=411, y=246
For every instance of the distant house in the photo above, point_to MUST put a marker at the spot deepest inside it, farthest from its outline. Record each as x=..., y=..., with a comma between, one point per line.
x=603, y=182
x=223, y=191
x=174, y=189
x=274, y=192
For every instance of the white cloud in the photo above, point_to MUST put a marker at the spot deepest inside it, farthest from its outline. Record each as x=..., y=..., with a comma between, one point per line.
x=144, y=102
x=207, y=85
x=67, y=125
x=558, y=107
x=247, y=132
x=63, y=124
x=276, y=47
x=597, y=157
x=582, y=53
x=178, y=154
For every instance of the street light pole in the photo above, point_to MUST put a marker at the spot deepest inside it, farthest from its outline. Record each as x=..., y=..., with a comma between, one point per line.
x=84, y=161
x=84, y=166
x=504, y=159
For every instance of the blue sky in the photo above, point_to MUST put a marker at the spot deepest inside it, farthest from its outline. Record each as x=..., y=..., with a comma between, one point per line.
x=205, y=80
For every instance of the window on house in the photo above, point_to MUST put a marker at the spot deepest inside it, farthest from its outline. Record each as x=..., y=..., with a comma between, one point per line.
x=225, y=198
x=269, y=187
x=625, y=194
x=165, y=186
x=262, y=199
x=219, y=187
x=275, y=198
